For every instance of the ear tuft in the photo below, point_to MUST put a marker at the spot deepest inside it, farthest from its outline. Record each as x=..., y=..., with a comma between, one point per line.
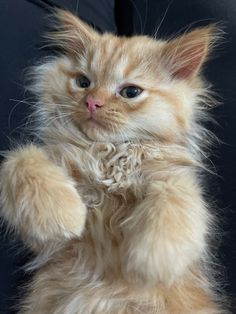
x=185, y=55
x=71, y=33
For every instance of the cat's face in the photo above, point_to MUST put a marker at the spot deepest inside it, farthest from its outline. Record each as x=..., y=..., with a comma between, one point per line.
x=119, y=89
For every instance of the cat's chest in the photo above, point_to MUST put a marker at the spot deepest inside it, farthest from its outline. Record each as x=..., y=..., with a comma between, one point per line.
x=109, y=172
x=108, y=179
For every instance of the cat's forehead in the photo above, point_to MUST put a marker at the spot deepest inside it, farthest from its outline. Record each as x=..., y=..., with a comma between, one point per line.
x=114, y=58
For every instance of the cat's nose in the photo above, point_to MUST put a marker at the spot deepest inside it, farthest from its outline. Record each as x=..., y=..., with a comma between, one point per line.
x=93, y=104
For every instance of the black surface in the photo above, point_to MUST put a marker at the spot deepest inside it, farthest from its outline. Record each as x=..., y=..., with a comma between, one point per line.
x=21, y=26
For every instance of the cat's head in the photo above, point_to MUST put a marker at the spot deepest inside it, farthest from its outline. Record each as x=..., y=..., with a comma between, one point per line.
x=116, y=88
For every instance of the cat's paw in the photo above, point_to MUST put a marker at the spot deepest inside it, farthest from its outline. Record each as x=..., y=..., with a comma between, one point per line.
x=38, y=198
x=163, y=239
x=149, y=261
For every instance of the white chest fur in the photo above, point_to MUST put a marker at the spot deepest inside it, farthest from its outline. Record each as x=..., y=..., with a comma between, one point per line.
x=106, y=168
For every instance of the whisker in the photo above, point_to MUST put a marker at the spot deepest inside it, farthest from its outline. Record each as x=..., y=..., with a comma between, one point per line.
x=77, y=6
x=24, y=101
x=138, y=14
x=163, y=18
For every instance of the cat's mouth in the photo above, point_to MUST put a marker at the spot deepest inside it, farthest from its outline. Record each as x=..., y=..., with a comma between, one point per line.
x=93, y=122
x=92, y=127
x=99, y=126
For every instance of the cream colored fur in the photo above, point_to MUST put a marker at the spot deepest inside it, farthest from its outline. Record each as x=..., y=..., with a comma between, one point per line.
x=115, y=214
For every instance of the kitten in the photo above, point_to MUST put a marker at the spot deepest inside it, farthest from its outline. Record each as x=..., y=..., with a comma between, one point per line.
x=111, y=201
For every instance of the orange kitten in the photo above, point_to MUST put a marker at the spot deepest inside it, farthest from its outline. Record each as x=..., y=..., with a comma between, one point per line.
x=111, y=202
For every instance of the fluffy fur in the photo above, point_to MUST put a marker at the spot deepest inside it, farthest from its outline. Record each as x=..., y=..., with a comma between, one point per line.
x=112, y=206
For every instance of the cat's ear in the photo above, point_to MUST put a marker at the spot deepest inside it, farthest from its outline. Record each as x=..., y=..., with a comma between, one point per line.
x=185, y=55
x=72, y=34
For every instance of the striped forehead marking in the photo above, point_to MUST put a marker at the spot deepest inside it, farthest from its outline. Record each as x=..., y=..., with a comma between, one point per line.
x=109, y=61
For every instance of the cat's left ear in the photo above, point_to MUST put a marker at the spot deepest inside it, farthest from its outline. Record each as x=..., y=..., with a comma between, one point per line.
x=72, y=34
x=184, y=56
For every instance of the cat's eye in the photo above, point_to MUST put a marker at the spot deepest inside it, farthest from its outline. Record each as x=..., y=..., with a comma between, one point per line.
x=131, y=91
x=82, y=81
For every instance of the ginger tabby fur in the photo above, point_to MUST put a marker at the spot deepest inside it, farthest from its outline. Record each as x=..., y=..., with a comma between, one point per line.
x=112, y=205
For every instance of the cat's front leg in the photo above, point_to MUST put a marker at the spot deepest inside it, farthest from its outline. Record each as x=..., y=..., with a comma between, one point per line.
x=38, y=199
x=165, y=233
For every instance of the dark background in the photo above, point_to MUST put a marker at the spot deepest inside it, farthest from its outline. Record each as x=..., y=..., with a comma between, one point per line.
x=21, y=27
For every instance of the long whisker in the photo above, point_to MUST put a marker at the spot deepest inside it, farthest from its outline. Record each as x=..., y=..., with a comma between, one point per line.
x=19, y=102
x=138, y=14
x=77, y=6
x=163, y=18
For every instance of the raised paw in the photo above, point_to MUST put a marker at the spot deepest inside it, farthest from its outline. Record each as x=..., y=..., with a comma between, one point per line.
x=38, y=198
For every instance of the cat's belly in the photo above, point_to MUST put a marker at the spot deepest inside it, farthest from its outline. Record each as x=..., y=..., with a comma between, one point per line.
x=73, y=283
x=76, y=281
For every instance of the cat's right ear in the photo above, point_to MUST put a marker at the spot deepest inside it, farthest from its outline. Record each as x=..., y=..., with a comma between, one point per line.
x=71, y=34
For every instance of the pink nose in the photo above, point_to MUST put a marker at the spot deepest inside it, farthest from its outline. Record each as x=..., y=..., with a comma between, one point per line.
x=93, y=104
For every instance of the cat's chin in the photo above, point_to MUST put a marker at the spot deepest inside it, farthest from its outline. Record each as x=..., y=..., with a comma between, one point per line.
x=95, y=132
x=100, y=134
